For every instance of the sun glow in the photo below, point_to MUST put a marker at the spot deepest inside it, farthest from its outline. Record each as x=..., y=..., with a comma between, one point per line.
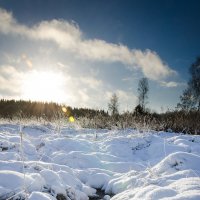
x=44, y=86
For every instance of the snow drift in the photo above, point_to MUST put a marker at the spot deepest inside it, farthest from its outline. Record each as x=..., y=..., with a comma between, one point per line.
x=76, y=163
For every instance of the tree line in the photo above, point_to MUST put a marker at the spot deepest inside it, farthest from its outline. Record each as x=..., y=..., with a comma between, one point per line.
x=47, y=110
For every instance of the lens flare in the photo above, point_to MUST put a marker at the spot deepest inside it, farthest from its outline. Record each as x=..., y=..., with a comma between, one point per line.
x=71, y=119
x=64, y=109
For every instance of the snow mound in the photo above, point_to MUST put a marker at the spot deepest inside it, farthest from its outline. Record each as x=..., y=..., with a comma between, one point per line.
x=40, y=196
x=178, y=161
x=186, y=188
x=77, y=163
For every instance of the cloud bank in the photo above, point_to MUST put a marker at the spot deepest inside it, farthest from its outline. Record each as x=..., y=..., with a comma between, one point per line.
x=68, y=36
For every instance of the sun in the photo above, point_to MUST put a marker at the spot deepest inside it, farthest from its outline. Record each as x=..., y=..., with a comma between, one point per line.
x=44, y=86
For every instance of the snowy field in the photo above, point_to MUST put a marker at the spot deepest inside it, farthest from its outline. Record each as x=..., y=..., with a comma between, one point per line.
x=42, y=163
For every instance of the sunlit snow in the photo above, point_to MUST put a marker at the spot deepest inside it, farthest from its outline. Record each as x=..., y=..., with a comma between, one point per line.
x=73, y=164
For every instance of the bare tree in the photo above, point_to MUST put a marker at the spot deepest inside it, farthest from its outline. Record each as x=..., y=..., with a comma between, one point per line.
x=191, y=96
x=113, y=105
x=194, y=82
x=187, y=101
x=143, y=89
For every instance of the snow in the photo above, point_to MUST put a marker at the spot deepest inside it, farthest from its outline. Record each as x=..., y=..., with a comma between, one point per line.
x=74, y=163
x=40, y=196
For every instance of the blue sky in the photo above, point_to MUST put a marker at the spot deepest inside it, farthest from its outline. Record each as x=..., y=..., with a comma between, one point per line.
x=90, y=49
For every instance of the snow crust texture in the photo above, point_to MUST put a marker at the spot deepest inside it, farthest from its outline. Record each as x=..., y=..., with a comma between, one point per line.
x=41, y=164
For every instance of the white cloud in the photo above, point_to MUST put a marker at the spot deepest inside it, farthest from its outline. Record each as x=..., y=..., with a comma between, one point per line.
x=84, y=96
x=10, y=81
x=171, y=84
x=128, y=100
x=86, y=92
x=91, y=82
x=27, y=60
x=61, y=65
x=69, y=37
x=22, y=60
x=9, y=24
x=152, y=65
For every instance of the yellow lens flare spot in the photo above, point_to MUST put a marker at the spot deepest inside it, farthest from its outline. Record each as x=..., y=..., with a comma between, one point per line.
x=71, y=119
x=64, y=109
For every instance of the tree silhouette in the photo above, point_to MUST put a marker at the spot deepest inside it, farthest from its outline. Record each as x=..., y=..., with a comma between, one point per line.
x=143, y=89
x=190, y=99
x=113, y=105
